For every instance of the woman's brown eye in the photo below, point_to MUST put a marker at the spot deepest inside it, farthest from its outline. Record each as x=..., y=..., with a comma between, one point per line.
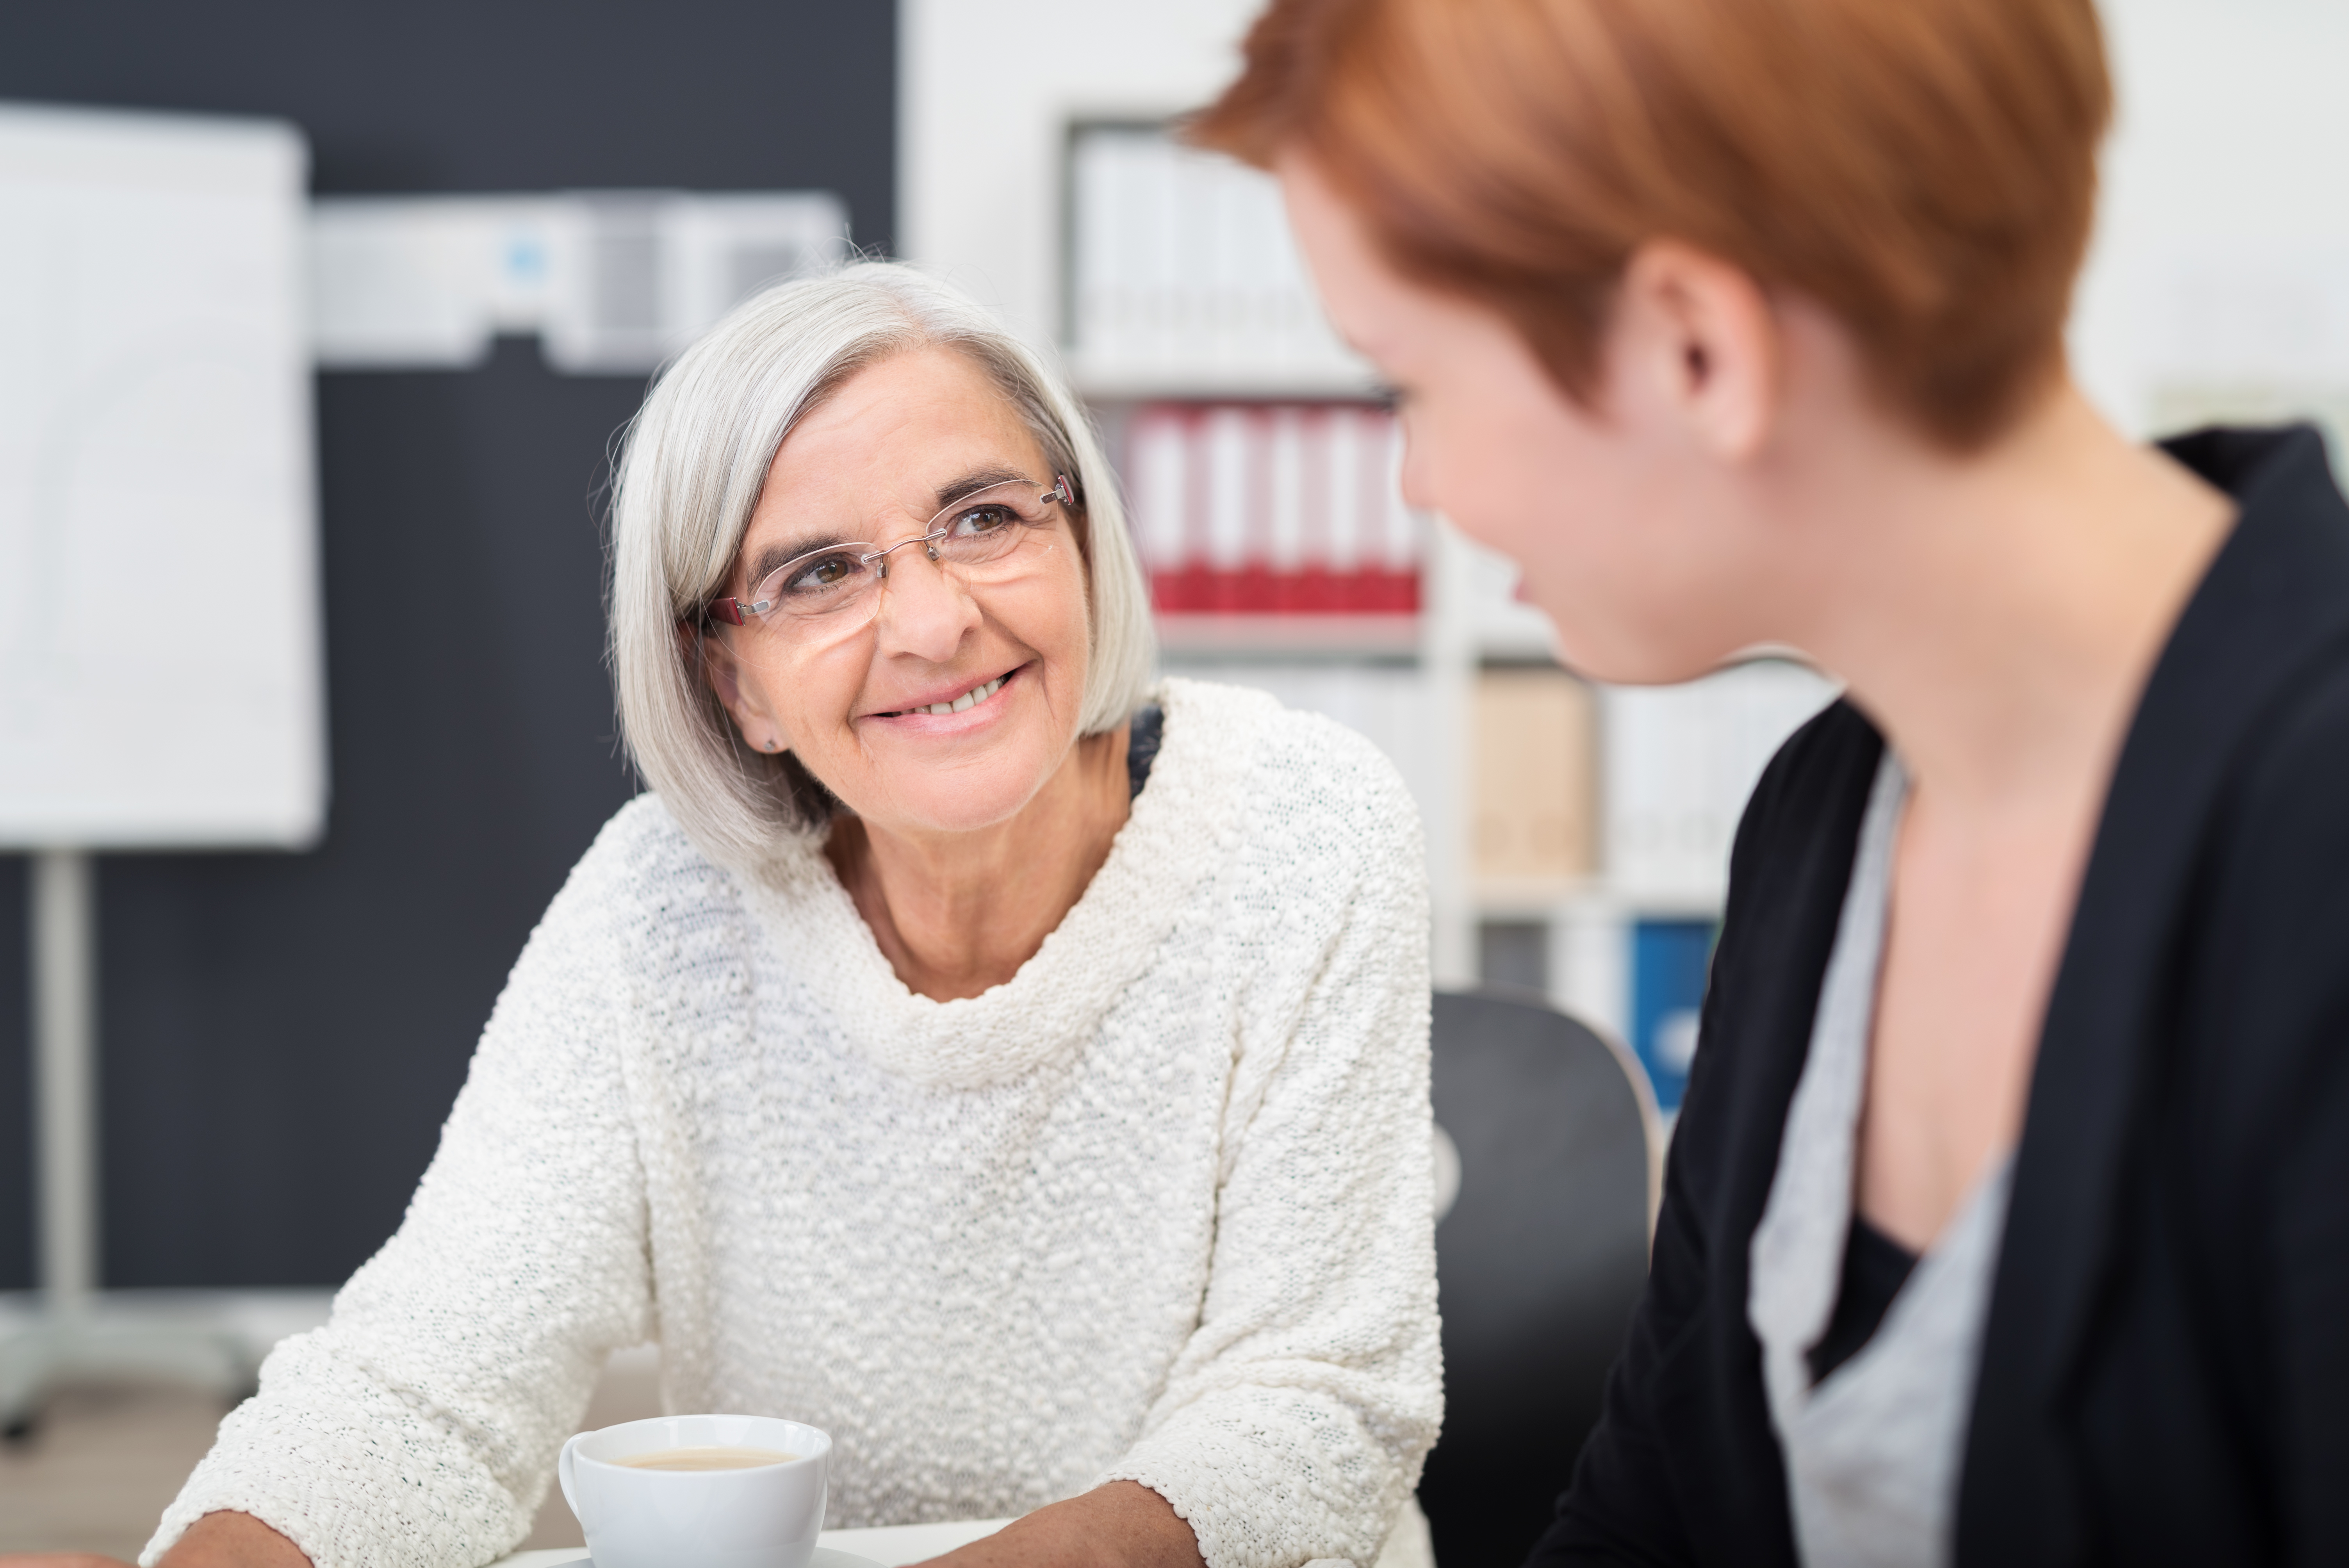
x=818, y=575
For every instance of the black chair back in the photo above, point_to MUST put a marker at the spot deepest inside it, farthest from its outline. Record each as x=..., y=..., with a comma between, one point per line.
x=1539, y=1261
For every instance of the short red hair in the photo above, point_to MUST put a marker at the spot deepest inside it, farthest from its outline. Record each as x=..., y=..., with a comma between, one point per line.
x=1923, y=168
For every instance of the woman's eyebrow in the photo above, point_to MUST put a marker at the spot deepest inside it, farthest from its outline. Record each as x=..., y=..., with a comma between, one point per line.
x=976, y=480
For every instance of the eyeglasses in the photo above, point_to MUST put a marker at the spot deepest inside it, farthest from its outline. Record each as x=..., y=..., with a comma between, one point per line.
x=979, y=538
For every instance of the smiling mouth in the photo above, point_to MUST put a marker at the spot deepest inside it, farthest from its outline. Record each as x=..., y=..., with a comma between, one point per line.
x=969, y=699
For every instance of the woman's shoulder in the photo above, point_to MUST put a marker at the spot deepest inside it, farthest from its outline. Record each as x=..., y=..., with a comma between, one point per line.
x=1788, y=870
x=1293, y=812
x=1808, y=801
x=2278, y=879
x=642, y=877
x=1308, y=764
x=641, y=848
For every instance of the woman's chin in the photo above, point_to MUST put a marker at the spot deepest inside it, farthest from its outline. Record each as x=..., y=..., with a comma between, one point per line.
x=926, y=812
x=966, y=792
x=1661, y=648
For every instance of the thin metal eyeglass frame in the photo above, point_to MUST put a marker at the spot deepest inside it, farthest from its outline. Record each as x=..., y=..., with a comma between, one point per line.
x=733, y=612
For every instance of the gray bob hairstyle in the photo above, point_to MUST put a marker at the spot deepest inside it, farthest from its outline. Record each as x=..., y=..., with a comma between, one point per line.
x=689, y=472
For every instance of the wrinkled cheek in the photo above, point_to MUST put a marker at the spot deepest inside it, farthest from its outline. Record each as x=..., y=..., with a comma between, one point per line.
x=1076, y=651
x=813, y=699
x=840, y=763
x=1048, y=620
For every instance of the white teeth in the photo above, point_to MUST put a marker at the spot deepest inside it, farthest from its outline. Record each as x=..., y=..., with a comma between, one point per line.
x=967, y=700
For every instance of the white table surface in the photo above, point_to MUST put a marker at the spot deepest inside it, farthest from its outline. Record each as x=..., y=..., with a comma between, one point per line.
x=892, y=1546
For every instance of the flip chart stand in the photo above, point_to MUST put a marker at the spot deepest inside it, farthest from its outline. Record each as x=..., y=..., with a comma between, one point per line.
x=81, y=1335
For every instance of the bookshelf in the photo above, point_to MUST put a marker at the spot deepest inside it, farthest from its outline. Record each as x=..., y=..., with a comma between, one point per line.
x=1259, y=464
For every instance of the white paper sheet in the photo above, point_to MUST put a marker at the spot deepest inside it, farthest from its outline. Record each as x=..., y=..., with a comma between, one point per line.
x=160, y=671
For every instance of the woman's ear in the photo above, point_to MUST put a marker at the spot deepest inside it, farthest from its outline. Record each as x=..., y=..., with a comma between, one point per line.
x=708, y=653
x=1702, y=344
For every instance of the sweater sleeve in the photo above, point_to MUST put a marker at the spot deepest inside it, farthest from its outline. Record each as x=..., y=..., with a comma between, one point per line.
x=1294, y=1422
x=419, y=1427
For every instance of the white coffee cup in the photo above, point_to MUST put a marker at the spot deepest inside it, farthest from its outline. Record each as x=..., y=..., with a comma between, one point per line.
x=761, y=1516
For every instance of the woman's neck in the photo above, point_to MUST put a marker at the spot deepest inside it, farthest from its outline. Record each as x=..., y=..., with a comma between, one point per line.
x=1998, y=615
x=958, y=914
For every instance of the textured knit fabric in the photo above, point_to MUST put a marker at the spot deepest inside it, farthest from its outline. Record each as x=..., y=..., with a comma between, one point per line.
x=1158, y=1208
x=1872, y=1449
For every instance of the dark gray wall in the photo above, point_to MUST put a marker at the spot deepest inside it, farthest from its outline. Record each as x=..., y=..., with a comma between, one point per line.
x=282, y=1034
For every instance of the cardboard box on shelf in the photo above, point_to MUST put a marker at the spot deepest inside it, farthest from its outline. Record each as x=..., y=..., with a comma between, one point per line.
x=1534, y=811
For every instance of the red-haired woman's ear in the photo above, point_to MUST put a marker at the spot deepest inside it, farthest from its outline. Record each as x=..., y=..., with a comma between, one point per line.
x=1703, y=334
x=1922, y=170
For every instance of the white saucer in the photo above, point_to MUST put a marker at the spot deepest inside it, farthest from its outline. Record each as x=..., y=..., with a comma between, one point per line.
x=825, y=1557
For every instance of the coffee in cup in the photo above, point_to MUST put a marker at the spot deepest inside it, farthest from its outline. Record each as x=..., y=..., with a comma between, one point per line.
x=706, y=1459
x=698, y=1492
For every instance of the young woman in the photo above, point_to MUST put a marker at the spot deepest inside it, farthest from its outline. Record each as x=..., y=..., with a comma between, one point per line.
x=2007, y=1219
x=1017, y=1072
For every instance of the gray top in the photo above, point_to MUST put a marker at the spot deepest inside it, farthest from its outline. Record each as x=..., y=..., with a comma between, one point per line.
x=1872, y=1450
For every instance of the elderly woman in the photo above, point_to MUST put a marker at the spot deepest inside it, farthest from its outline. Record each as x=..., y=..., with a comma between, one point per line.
x=1019, y=1074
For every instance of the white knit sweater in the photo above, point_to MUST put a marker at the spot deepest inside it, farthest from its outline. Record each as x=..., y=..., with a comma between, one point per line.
x=1158, y=1208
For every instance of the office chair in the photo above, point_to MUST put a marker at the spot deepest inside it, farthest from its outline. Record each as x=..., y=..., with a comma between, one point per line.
x=1540, y=1260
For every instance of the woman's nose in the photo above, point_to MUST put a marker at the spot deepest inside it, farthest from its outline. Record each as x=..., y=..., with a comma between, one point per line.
x=923, y=610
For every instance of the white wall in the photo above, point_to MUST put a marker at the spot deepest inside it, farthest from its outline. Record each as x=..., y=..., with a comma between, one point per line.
x=2221, y=255
x=986, y=89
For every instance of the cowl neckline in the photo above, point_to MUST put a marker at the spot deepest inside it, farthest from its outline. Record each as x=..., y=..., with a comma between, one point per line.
x=1182, y=824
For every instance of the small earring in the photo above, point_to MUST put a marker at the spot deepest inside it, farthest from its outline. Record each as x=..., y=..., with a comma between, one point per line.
x=775, y=746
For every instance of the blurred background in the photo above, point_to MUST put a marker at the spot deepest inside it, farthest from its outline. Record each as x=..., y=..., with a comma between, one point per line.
x=511, y=212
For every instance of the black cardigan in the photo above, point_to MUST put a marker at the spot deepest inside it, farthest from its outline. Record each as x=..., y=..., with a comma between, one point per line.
x=2165, y=1372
